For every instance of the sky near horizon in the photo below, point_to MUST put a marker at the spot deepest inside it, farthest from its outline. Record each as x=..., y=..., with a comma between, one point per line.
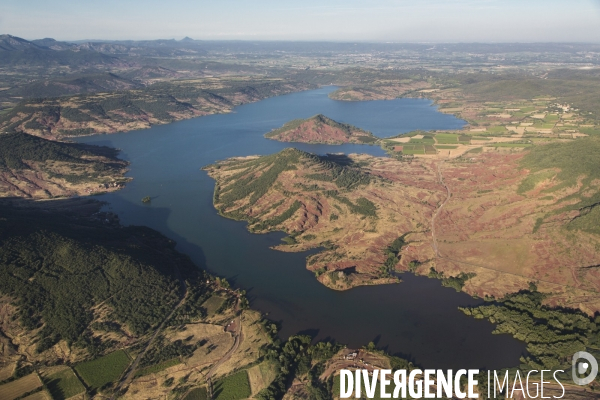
x=322, y=20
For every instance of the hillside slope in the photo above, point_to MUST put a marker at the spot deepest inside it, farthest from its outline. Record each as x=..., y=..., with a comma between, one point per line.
x=38, y=168
x=484, y=224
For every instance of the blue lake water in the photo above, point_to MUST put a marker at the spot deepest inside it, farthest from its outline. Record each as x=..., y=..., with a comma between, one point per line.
x=417, y=318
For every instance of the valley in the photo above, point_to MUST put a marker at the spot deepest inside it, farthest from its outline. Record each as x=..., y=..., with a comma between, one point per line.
x=427, y=188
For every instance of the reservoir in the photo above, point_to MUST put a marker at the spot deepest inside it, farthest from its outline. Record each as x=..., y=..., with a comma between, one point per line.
x=418, y=318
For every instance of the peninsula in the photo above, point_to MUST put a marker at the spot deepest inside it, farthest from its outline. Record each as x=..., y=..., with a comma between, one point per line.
x=485, y=224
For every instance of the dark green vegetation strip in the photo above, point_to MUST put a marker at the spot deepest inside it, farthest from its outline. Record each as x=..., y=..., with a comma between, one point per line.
x=197, y=394
x=552, y=335
x=297, y=358
x=392, y=253
x=233, y=387
x=456, y=282
x=158, y=367
x=164, y=351
x=57, y=267
x=577, y=159
x=363, y=206
x=104, y=370
x=64, y=384
x=279, y=218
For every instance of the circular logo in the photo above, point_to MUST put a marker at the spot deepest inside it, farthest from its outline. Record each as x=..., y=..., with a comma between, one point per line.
x=581, y=367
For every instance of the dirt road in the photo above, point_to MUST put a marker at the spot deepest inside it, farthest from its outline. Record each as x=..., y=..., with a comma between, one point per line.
x=439, y=209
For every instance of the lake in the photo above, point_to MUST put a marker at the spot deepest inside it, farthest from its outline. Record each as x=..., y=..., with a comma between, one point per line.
x=417, y=318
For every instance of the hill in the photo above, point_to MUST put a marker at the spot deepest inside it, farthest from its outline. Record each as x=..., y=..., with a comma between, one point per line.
x=80, y=292
x=126, y=110
x=16, y=52
x=483, y=224
x=13, y=43
x=320, y=129
x=76, y=84
x=34, y=167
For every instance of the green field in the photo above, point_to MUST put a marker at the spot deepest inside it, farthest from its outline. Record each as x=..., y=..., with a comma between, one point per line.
x=197, y=394
x=429, y=149
x=158, y=367
x=213, y=304
x=590, y=131
x=445, y=147
x=496, y=129
x=427, y=139
x=104, y=370
x=234, y=387
x=475, y=150
x=543, y=125
x=528, y=109
x=446, y=138
x=413, y=149
x=64, y=384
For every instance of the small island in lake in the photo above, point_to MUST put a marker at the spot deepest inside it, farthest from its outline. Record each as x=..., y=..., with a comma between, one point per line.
x=321, y=129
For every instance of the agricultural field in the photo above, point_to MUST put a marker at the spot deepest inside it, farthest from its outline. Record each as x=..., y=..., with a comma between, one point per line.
x=41, y=395
x=64, y=384
x=157, y=367
x=197, y=394
x=413, y=149
x=104, y=370
x=233, y=387
x=213, y=304
x=261, y=375
x=446, y=138
x=18, y=388
x=7, y=371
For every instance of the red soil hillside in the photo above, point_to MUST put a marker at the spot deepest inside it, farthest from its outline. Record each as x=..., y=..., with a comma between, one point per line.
x=320, y=129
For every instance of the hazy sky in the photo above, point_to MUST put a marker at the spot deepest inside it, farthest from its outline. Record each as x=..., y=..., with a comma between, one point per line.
x=338, y=20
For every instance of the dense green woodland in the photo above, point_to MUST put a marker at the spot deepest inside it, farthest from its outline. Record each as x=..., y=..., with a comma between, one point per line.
x=57, y=267
x=18, y=147
x=552, y=335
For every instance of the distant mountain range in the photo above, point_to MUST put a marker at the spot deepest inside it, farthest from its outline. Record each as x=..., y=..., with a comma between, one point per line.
x=46, y=52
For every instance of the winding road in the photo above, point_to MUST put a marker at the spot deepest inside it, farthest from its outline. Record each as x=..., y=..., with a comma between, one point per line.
x=437, y=212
